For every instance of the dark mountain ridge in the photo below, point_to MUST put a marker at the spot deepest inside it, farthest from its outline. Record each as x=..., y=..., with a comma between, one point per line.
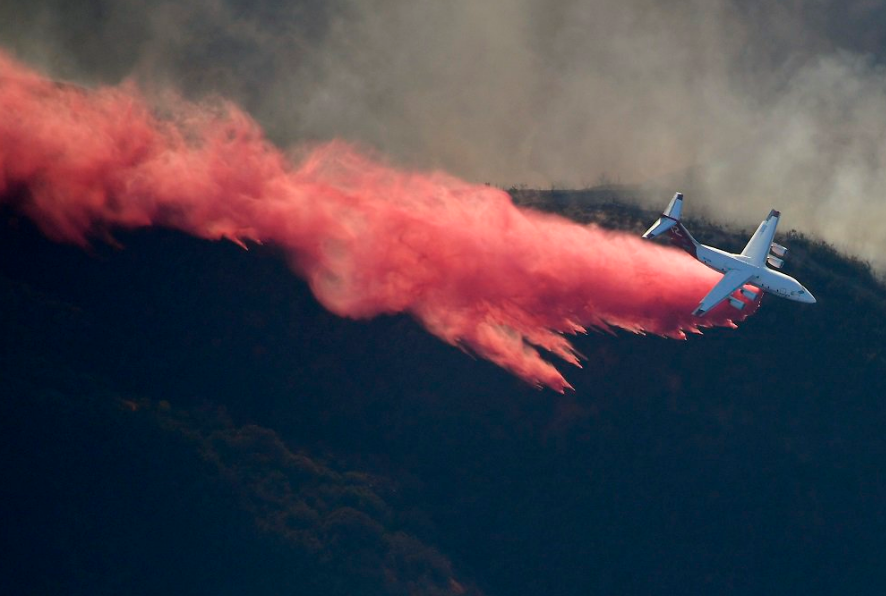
x=182, y=416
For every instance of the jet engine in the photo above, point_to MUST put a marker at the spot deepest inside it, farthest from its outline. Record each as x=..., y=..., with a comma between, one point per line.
x=775, y=261
x=778, y=250
x=750, y=295
x=736, y=303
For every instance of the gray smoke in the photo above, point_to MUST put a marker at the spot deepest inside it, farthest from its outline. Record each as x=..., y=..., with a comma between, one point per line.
x=745, y=105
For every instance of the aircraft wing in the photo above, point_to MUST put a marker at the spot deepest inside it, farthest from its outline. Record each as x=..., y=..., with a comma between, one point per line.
x=732, y=281
x=758, y=246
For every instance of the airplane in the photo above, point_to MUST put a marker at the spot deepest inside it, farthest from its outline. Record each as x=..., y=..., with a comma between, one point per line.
x=747, y=268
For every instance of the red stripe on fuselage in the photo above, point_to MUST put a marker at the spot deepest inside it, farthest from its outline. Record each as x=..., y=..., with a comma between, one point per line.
x=680, y=238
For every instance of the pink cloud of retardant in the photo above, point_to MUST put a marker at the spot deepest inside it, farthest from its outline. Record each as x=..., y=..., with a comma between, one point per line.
x=473, y=268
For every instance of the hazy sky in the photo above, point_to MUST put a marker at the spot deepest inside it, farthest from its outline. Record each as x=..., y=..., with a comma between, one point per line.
x=745, y=105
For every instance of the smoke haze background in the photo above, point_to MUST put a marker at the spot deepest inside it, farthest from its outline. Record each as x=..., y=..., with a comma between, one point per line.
x=746, y=105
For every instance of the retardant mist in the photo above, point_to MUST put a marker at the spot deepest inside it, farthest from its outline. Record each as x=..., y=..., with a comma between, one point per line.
x=475, y=270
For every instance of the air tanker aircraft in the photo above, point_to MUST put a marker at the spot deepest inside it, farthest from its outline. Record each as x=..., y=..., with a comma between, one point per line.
x=748, y=268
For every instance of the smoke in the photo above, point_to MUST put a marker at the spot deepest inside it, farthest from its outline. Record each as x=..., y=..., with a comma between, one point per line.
x=745, y=105
x=461, y=258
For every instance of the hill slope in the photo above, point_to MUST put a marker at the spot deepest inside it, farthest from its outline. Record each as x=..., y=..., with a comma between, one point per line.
x=181, y=416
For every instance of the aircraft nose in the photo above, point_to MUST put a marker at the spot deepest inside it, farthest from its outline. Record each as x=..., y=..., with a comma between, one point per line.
x=809, y=298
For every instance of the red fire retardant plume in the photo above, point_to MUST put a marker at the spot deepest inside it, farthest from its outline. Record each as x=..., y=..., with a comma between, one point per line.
x=477, y=271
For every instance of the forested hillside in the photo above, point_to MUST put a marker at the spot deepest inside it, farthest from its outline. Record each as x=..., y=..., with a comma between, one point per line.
x=179, y=416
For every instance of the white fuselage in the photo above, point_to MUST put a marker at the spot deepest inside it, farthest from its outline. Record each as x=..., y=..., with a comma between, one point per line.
x=762, y=277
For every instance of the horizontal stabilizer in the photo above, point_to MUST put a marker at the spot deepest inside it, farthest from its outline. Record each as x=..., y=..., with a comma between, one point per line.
x=675, y=207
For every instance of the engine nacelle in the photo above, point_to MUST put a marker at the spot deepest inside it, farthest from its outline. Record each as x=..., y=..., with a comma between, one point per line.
x=749, y=294
x=778, y=250
x=736, y=303
x=775, y=261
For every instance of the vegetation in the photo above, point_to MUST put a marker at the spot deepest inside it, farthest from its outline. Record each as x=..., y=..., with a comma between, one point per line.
x=182, y=417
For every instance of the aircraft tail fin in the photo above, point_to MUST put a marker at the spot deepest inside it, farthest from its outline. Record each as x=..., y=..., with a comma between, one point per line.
x=670, y=222
x=669, y=218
